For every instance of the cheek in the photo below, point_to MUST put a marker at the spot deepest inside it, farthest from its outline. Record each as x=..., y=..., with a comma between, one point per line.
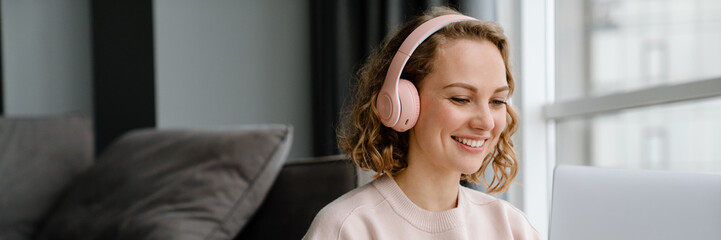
x=499, y=120
x=431, y=117
x=434, y=113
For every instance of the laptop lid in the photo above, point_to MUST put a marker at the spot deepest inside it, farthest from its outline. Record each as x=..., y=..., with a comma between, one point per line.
x=602, y=203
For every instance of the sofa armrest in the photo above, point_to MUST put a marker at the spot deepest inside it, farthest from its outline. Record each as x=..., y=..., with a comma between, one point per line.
x=300, y=191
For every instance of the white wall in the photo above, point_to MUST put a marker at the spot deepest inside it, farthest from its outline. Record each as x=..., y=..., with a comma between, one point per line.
x=46, y=57
x=226, y=62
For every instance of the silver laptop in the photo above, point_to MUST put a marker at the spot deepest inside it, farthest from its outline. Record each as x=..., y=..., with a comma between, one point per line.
x=602, y=203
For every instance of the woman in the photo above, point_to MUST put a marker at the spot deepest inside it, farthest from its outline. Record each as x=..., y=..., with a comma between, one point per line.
x=463, y=126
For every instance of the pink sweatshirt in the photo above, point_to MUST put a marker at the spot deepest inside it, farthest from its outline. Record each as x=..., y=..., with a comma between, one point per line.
x=380, y=210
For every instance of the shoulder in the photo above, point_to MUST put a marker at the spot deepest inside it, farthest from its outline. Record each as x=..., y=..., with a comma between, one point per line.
x=330, y=222
x=479, y=198
x=492, y=203
x=503, y=211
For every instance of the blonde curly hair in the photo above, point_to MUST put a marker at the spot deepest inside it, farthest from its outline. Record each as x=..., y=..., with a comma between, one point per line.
x=375, y=147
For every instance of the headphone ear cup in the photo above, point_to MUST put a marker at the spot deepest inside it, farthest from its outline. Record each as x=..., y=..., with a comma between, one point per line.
x=410, y=105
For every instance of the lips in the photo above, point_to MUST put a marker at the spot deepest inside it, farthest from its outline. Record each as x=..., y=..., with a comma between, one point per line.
x=474, y=143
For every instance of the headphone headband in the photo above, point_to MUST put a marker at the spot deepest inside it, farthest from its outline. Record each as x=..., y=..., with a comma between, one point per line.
x=389, y=103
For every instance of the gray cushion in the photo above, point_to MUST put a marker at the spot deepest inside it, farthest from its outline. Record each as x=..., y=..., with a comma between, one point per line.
x=39, y=156
x=173, y=184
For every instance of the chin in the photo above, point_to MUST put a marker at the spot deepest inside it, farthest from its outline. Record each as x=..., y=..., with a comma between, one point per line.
x=471, y=163
x=470, y=168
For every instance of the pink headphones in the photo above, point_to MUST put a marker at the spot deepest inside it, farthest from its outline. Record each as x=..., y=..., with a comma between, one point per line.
x=398, y=103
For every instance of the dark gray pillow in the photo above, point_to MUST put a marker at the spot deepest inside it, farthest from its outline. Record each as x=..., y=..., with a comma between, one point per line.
x=173, y=184
x=39, y=156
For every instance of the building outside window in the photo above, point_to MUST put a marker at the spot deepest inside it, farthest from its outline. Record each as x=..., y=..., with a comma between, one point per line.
x=663, y=58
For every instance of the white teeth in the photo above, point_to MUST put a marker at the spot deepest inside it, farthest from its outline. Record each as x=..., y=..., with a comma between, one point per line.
x=469, y=142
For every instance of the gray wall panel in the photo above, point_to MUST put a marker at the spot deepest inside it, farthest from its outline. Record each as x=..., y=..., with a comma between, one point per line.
x=46, y=57
x=234, y=62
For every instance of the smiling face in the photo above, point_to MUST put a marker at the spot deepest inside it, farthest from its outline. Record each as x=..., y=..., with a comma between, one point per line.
x=463, y=107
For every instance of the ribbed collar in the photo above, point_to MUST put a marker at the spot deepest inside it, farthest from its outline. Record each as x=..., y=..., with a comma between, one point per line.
x=432, y=222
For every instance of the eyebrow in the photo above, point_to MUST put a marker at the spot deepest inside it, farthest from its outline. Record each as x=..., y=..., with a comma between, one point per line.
x=502, y=89
x=473, y=89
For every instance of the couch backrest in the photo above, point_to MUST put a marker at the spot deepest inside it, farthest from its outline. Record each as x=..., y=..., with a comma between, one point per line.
x=301, y=190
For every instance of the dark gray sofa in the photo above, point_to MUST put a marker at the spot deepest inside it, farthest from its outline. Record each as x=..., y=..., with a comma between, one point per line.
x=300, y=191
x=221, y=183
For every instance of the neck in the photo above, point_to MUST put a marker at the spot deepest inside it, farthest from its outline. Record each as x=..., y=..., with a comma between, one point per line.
x=429, y=189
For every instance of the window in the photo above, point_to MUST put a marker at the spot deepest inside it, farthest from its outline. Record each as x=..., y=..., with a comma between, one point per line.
x=663, y=58
x=681, y=136
x=613, y=83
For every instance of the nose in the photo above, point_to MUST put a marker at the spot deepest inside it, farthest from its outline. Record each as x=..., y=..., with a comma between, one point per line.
x=482, y=119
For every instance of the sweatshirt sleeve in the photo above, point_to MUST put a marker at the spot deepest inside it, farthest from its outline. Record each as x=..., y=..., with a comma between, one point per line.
x=323, y=227
x=340, y=225
x=329, y=224
x=521, y=227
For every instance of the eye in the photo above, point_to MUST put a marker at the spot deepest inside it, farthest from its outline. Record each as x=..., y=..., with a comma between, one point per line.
x=460, y=100
x=498, y=102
